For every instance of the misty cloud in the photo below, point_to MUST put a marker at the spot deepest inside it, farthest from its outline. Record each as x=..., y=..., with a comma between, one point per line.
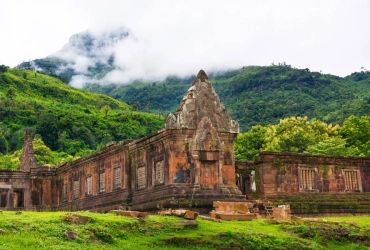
x=181, y=37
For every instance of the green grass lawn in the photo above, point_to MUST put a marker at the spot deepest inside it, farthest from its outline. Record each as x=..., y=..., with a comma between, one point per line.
x=45, y=230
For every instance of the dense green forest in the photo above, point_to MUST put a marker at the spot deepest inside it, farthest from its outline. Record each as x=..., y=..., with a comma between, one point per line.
x=279, y=108
x=66, y=122
x=259, y=95
x=298, y=134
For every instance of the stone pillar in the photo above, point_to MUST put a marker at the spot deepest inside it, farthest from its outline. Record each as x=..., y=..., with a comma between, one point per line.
x=10, y=198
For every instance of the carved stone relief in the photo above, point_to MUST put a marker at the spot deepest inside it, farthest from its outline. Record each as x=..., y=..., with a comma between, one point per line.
x=117, y=177
x=88, y=186
x=141, y=177
x=159, y=172
x=76, y=189
x=102, y=182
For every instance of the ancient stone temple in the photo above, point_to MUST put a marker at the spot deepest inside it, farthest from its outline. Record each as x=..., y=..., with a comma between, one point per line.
x=189, y=163
x=311, y=184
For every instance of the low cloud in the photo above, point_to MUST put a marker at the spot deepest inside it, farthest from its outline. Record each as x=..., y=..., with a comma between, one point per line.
x=182, y=37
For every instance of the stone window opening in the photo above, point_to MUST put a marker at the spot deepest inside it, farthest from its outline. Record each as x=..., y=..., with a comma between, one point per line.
x=65, y=192
x=76, y=189
x=141, y=177
x=351, y=180
x=159, y=172
x=102, y=182
x=117, y=177
x=307, y=179
x=88, y=185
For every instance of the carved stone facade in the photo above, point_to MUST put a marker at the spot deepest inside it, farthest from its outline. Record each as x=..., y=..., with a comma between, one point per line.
x=190, y=163
x=310, y=183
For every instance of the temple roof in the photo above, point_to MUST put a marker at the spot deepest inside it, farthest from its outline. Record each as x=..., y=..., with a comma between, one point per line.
x=201, y=100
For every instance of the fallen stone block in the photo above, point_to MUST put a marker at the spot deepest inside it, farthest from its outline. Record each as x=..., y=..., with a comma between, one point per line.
x=191, y=215
x=179, y=212
x=165, y=212
x=2, y=231
x=230, y=207
x=134, y=214
x=226, y=216
x=209, y=218
x=76, y=219
x=70, y=235
x=187, y=223
x=213, y=214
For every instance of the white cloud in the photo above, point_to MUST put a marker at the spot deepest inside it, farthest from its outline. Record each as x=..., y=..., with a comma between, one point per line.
x=180, y=37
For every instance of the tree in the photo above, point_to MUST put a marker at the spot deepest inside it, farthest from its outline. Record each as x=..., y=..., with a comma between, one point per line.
x=47, y=127
x=296, y=134
x=333, y=146
x=4, y=145
x=43, y=154
x=3, y=68
x=105, y=109
x=10, y=94
x=356, y=131
x=249, y=144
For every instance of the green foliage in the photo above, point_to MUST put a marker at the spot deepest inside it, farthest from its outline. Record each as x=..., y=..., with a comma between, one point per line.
x=356, y=131
x=333, y=146
x=296, y=134
x=249, y=144
x=45, y=230
x=47, y=126
x=3, y=68
x=71, y=121
x=44, y=156
x=259, y=95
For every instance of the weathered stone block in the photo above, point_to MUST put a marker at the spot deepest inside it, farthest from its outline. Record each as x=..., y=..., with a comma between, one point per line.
x=187, y=223
x=225, y=216
x=191, y=215
x=70, y=235
x=135, y=214
x=76, y=219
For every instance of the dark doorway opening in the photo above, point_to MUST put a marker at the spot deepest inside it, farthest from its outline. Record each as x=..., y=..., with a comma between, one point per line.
x=18, y=198
x=3, y=198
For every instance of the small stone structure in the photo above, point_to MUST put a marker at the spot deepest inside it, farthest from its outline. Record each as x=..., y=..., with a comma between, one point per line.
x=311, y=184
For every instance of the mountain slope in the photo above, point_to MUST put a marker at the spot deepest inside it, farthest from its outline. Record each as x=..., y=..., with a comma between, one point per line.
x=67, y=119
x=88, y=55
x=259, y=95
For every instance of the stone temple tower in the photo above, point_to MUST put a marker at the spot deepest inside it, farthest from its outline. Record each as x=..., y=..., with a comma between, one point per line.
x=208, y=135
x=28, y=159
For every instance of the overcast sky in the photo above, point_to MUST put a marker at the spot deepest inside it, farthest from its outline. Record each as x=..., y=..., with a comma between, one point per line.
x=181, y=37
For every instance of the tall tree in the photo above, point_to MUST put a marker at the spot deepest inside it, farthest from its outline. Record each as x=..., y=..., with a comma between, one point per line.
x=47, y=127
x=249, y=144
x=356, y=131
x=295, y=134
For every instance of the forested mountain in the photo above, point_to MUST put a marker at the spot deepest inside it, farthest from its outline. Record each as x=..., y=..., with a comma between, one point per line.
x=88, y=54
x=254, y=95
x=259, y=95
x=66, y=119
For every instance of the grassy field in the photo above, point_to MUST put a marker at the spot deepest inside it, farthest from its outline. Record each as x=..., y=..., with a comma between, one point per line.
x=45, y=230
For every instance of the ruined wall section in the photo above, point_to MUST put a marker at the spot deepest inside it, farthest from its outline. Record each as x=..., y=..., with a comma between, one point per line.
x=309, y=183
x=96, y=182
x=150, y=161
x=14, y=189
x=44, y=188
